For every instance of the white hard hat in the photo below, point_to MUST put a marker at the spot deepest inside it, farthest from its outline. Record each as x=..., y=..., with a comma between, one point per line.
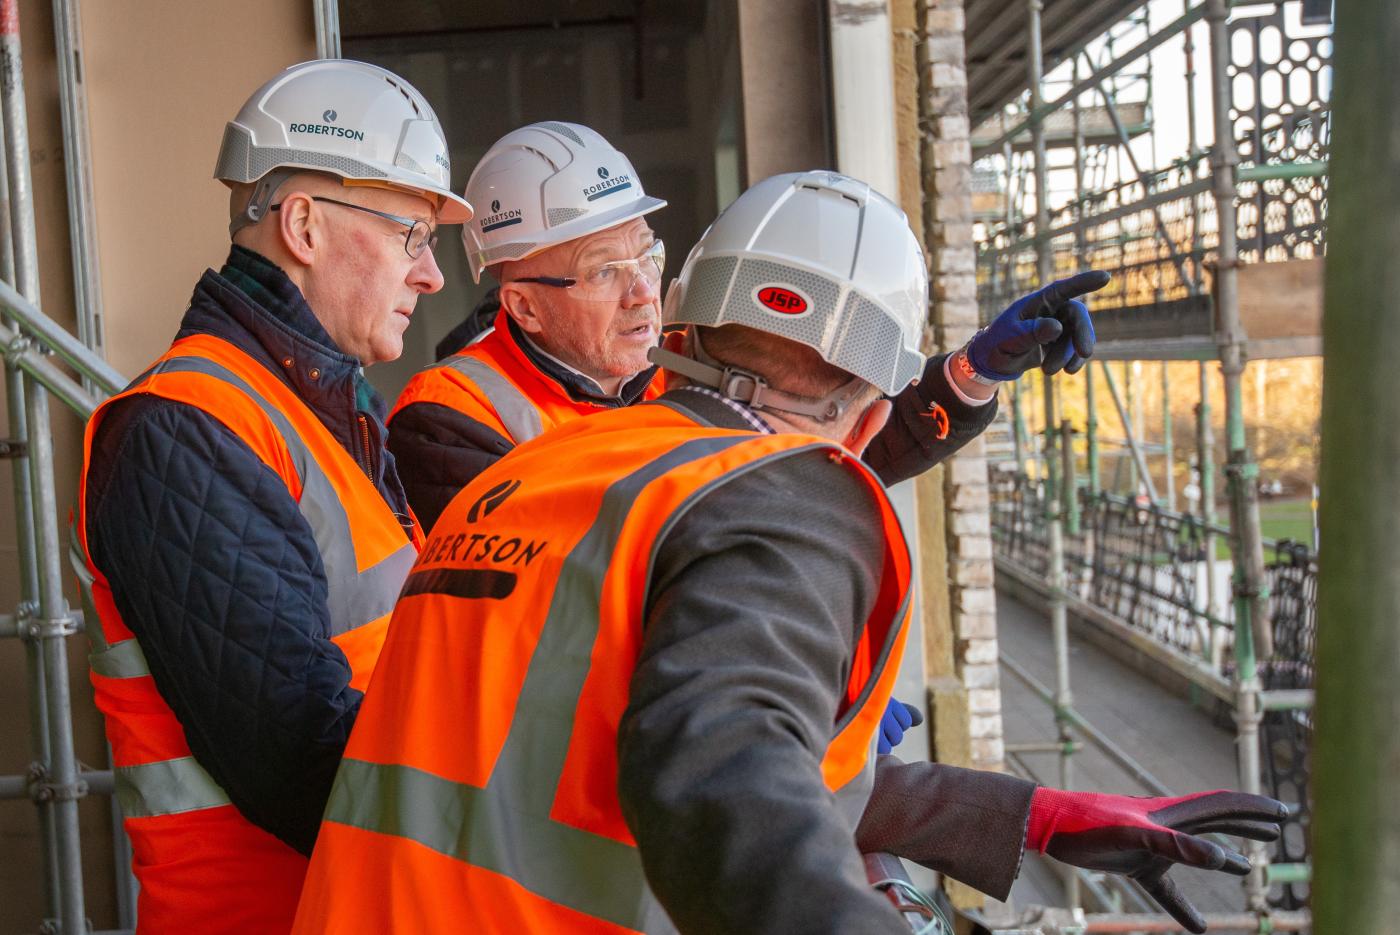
x=350, y=119
x=546, y=184
x=818, y=258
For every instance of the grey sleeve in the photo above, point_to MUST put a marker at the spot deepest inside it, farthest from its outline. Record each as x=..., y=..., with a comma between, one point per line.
x=966, y=823
x=749, y=629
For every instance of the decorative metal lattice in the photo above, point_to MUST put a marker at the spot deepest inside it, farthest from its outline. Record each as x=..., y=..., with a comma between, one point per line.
x=1281, y=76
x=1157, y=234
x=1134, y=560
x=1145, y=565
x=1286, y=736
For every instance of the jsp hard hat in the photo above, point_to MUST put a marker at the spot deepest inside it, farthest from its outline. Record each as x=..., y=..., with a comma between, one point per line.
x=818, y=258
x=350, y=119
x=546, y=184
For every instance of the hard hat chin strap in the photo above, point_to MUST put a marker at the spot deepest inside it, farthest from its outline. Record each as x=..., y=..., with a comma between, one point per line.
x=264, y=189
x=752, y=389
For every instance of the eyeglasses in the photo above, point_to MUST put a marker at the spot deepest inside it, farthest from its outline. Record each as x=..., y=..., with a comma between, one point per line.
x=420, y=236
x=609, y=282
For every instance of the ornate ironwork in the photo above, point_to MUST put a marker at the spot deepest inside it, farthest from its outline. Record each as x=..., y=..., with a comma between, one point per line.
x=1281, y=75
x=1145, y=565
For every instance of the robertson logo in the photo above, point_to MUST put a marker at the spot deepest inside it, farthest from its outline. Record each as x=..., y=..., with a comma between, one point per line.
x=782, y=300
x=325, y=129
x=607, y=186
x=498, y=218
x=486, y=504
x=329, y=116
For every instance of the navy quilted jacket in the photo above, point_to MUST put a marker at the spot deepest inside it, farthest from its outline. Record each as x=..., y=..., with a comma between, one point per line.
x=214, y=569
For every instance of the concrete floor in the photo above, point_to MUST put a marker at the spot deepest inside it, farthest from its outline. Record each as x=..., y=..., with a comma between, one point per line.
x=1182, y=746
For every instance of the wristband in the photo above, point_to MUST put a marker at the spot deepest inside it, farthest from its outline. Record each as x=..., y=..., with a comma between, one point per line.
x=965, y=368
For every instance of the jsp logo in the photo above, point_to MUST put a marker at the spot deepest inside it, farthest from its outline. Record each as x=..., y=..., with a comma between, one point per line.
x=329, y=116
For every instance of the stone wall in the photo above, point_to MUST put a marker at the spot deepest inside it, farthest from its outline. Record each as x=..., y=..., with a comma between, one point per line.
x=947, y=222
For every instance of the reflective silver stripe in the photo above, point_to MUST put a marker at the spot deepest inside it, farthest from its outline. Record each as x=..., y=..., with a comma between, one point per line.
x=593, y=874
x=506, y=827
x=122, y=660
x=167, y=787
x=355, y=598
x=92, y=625
x=520, y=417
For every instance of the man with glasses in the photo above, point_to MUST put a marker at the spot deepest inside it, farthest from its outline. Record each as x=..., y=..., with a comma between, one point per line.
x=562, y=228
x=243, y=530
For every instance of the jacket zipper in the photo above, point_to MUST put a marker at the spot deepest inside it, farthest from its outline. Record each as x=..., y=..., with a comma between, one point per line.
x=364, y=446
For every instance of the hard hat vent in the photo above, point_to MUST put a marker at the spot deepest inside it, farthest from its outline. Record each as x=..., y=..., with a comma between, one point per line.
x=709, y=281
x=562, y=130
x=509, y=251
x=865, y=339
x=559, y=216
x=240, y=162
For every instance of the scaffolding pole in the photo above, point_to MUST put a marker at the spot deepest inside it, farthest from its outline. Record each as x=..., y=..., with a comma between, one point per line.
x=1139, y=460
x=20, y=251
x=77, y=163
x=1053, y=514
x=53, y=776
x=327, y=13
x=1205, y=476
x=1250, y=589
x=1167, y=432
x=1356, y=827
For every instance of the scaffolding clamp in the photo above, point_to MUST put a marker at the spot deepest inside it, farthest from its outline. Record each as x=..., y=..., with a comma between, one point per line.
x=33, y=627
x=1244, y=470
x=13, y=448
x=41, y=790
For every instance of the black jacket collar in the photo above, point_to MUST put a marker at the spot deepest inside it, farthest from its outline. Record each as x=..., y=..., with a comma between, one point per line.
x=254, y=306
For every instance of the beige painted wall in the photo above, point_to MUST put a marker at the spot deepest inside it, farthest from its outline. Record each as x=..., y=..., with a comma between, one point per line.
x=163, y=78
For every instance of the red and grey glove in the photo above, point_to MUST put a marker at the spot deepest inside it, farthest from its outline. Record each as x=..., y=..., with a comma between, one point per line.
x=1144, y=837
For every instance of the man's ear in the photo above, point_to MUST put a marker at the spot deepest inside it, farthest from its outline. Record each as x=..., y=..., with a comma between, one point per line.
x=678, y=341
x=520, y=306
x=299, y=227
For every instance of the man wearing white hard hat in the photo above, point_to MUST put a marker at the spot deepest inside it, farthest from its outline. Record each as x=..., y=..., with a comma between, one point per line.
x=650, y=705
x=561, y=225
x=242, y=528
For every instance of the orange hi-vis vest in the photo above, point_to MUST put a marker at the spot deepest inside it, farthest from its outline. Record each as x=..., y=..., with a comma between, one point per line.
x=493, y=382
x=202, y=866
x=479, y=788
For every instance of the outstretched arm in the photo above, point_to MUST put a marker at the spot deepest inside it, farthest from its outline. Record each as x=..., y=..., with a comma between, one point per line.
x=954, y=399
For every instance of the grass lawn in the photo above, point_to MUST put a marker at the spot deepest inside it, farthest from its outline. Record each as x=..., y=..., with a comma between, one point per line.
x=1278, y=519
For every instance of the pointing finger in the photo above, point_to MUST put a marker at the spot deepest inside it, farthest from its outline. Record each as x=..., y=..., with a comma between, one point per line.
x=1058, y=292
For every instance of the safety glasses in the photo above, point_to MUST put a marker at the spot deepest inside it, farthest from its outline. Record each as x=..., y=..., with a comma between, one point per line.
x=609, y=282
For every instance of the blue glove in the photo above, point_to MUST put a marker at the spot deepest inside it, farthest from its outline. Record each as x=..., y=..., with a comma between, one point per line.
x=898, y=718
x=1049, y=329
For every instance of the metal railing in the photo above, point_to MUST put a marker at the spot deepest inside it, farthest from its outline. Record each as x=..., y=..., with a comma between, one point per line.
x=41, y=358
x=1139, y=570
